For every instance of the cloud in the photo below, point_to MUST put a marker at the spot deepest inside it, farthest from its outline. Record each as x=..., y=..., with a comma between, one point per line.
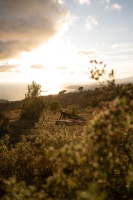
x=61, y=1
x=104, y=1
x=119, y=45
x=85, y=72
x=116, y=6
x=26, y=25
x=72, y=72
x=61, y=68
x=90, y=54
x=106, y=7
x=113, y=7
x=122, y=47
x=37, y=66
x=116, y=29
x=90, y=22
x=71, y=18
x=9, y=49
x=8, y=68
x=83, y=2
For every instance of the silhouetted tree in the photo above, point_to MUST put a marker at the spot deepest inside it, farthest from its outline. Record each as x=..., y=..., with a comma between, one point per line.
x=33, y=104
x=62, y=92
x=33, y=90
x=80, y=89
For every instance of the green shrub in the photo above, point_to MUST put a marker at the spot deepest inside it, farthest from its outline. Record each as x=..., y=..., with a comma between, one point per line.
x=95, y=165
x=54, y=106
x=26, y=161
x=33, y=104
x=74, y=110
x=33, y=107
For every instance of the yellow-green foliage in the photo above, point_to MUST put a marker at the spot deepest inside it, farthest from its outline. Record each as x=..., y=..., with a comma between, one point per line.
x=26, y=161
x=33, y=107
x=94, y=165
x=33, y=104
x=74, y=110
x=54, y=106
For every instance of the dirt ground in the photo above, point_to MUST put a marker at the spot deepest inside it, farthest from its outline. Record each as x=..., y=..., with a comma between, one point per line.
x=16, y=127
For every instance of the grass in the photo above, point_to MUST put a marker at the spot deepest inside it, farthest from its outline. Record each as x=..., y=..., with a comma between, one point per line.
x=78, y=161
x=17, y=127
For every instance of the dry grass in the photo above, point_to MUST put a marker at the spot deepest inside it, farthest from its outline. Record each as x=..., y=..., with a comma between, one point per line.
x=17, y=127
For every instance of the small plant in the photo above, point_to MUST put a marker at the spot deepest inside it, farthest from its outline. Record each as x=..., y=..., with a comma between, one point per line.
x=74, y=110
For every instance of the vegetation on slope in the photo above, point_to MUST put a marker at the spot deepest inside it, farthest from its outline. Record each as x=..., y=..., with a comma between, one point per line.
x=91, y=162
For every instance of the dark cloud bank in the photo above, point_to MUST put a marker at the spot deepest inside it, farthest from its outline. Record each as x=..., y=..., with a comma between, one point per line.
x=24, y=25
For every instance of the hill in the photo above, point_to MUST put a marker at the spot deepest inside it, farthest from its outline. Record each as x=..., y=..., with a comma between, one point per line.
x=94, y=85
x=3, y=101
x=66, y=161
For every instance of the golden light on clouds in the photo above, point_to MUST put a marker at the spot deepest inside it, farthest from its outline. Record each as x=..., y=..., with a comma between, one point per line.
x=53, y=41
x=26, y=25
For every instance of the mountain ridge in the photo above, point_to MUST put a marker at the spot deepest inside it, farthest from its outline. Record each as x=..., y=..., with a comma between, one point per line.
x=95, y=85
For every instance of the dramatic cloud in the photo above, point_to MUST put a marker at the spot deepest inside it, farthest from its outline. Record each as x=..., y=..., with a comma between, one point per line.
x=9, y=49
x=26, y=25
x=8, y=68
x=90, y=22
x=38, y=66
x=83, y=2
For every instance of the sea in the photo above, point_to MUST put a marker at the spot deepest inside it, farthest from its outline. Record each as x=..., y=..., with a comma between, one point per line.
x=17, y=91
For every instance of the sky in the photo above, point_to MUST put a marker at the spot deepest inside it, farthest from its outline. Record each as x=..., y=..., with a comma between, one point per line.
x=53, y=41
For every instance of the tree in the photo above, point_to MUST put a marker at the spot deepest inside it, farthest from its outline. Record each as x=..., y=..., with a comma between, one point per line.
x=62, y=92
x=33, y=90
x=33, y=104
x=80, y=89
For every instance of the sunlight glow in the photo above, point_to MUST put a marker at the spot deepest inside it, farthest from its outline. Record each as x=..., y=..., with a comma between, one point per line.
x=59, y=60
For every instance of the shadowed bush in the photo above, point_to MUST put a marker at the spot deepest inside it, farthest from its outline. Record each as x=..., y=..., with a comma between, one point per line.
x=95, y=165
x=33, y=107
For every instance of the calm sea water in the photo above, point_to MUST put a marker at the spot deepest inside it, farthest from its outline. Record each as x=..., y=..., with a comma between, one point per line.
x=17, y=91
x=13, y=91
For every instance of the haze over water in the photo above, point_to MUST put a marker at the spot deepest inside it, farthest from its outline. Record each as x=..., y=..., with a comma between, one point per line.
x=15, y=92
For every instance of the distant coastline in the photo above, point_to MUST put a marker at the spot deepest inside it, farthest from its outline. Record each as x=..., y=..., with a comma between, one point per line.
x=17, y=91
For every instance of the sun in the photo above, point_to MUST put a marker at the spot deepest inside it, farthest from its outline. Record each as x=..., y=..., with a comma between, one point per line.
x=50, y=65
x=50, y=84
